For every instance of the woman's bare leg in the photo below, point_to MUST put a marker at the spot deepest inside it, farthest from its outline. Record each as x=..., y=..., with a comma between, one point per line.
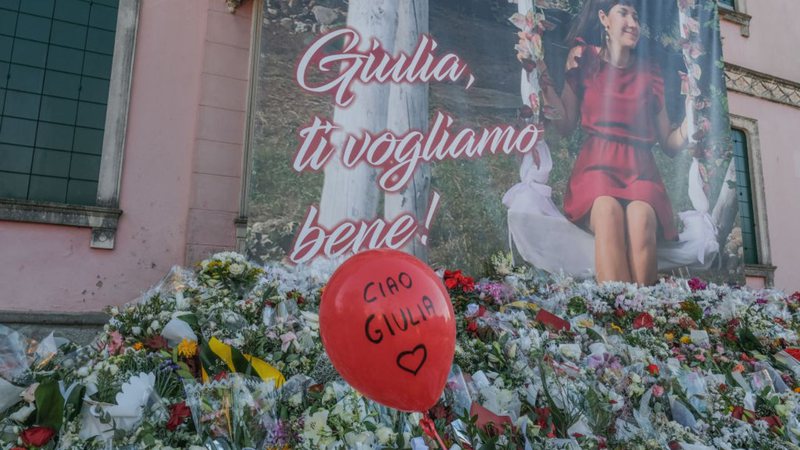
x=607, y=221
x=642, y=225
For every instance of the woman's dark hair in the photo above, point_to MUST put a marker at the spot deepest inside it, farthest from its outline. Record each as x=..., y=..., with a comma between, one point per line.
x=587, y=25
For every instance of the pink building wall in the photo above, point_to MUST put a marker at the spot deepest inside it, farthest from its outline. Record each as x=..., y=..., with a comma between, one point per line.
x=182, y=168
x=181, y=171
x=771, y=49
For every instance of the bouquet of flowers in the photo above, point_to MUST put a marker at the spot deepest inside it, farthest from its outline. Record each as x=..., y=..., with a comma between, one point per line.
x=229, y=356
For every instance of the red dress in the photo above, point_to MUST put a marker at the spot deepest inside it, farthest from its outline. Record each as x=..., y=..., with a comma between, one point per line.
x=618, y=112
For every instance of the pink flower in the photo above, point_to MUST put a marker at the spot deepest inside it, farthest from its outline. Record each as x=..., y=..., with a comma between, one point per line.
x=286, y=340
x=700, y=357
x=696, y=284
x=114, y=343
x=658, y=390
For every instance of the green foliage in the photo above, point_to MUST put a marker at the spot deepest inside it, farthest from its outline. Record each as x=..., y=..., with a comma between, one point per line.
x=49, y=405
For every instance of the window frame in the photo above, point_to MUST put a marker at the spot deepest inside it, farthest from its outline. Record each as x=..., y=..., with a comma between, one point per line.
x=737, y=14
x=102, y=218
x=241, y=223
x=764, y=268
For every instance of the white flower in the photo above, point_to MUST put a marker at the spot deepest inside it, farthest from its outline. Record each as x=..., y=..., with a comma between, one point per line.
x=343, y=411
x=328, y=394
x=385, y=435
x=571, y=351
x=316, y=430
x=296, y=399
x=364, y=439
x=236, y=269
x=136, y=331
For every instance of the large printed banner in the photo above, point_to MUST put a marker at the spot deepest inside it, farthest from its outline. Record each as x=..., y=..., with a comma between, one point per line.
x=588, y=138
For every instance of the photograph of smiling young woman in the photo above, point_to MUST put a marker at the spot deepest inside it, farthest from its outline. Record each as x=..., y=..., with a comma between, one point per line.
x=616, y=95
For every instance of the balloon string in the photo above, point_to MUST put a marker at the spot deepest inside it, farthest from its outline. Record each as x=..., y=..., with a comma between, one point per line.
x=427, y=425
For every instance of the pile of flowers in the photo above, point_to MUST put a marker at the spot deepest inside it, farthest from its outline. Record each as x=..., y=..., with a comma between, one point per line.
x=229, y=356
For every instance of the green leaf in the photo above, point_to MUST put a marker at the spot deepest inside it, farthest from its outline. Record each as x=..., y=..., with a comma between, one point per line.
x=240, y=363
x=74, y=402
x=185, y=374
x=208, y=359
x=594, y=335
x=49, y=405
x=191, y=320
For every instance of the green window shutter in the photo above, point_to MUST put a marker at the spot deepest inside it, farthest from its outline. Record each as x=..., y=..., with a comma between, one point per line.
x=55, y=66
x=731, y=4
x=744, y=195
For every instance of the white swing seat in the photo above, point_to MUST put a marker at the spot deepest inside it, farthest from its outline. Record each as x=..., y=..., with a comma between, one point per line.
x=547, y=240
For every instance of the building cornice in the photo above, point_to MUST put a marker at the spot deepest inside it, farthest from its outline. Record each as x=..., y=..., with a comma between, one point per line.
x=760, y=85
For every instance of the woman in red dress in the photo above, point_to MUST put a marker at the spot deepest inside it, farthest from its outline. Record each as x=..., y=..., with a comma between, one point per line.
x=615, y=188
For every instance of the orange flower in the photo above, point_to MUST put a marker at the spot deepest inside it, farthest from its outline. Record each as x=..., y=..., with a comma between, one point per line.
x=138, y=346
x=738, y=368
x=187, y=348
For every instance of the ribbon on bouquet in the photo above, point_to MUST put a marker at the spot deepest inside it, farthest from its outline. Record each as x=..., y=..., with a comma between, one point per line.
x=229, y=355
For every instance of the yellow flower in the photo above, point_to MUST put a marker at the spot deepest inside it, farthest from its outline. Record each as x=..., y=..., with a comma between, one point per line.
x=669, y=336
x=138, y=346
x=187, y=348
x=685, y=339
x=797, y=389
x=616, y=328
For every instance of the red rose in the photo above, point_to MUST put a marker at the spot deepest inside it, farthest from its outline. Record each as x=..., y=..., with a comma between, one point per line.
x=467, y=284
x=451, y=278
x=178, y=412
x=456, y=279
x=643, y=320
x=472, y=327
x=37, y=436
x=653, y=369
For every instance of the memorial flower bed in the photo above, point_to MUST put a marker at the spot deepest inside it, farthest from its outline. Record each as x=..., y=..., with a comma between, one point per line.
x=229, y=356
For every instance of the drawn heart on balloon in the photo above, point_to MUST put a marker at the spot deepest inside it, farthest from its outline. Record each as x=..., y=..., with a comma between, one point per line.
x=413, y=360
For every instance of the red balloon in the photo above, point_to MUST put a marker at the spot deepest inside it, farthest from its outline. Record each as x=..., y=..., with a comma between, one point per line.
x=388, y=326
